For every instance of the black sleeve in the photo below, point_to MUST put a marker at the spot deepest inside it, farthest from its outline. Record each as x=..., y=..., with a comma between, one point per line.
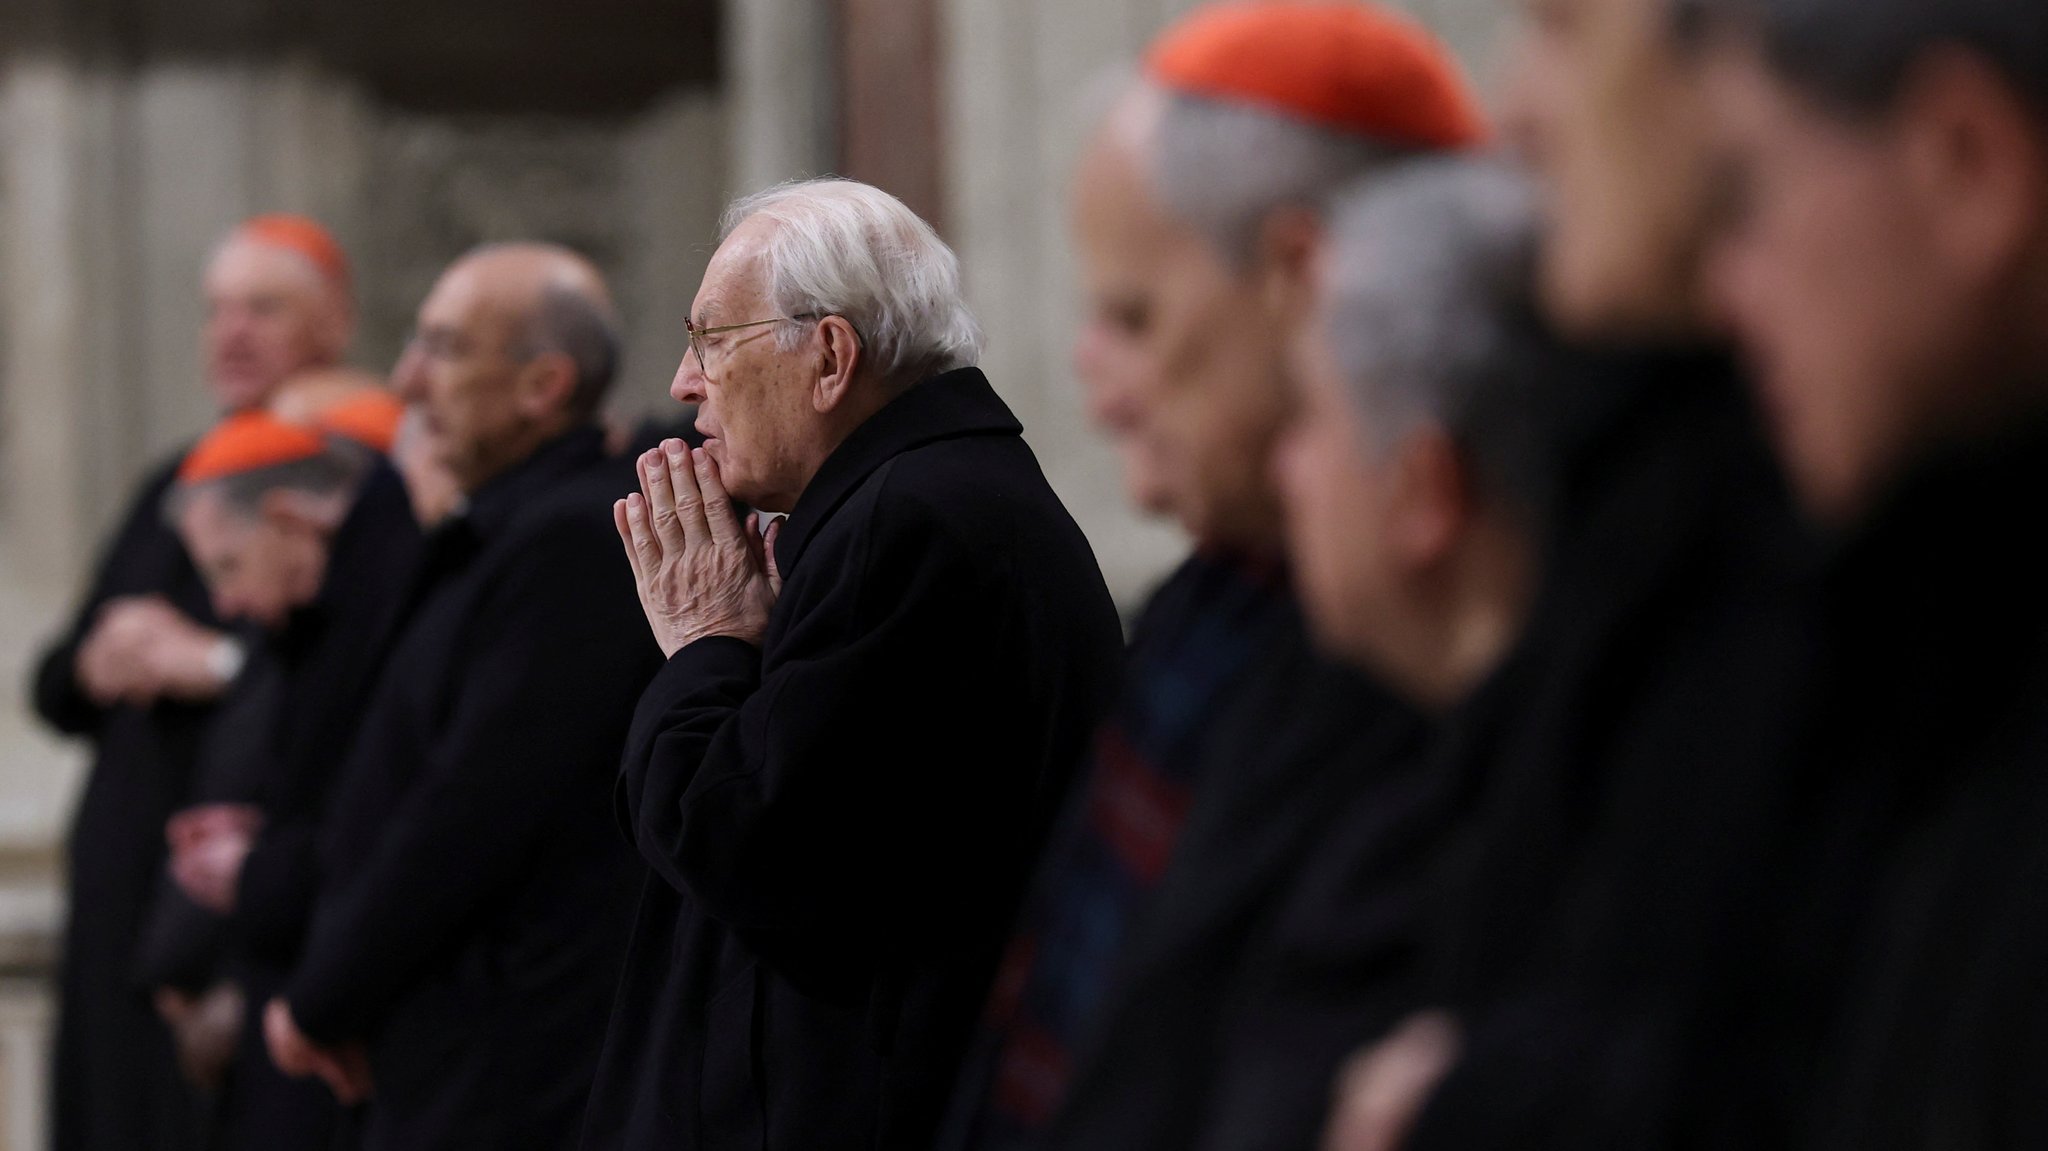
x=559, y=649
x=142, y=557
x=280, y=880
x=183, y=945
x=853, y=778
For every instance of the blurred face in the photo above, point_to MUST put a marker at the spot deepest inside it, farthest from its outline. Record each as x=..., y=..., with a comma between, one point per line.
x=1333, y=498
x=269, y=315
x=464, y=371
x=1612, y=121
x=429, y=484
x=1831, y=274
x=1179, y=358
x=257, y=567
x=755, y=401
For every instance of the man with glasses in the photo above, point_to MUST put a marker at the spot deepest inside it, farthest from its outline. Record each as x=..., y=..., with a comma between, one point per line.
x=475, y=894
x=867, y=719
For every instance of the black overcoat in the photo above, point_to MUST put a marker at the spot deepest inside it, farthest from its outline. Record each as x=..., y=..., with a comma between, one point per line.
x=840, y=821
x=1633, y=783
x=116, y=1081
x=475, y=896
x=327, y=658
x=1922, y=921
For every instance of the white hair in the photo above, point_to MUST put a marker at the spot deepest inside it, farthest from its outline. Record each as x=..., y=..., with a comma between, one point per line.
x=1223, y=167
x=843, y=248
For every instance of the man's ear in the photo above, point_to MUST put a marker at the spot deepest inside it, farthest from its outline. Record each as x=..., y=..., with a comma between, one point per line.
x=1288, y=238
x=546, y=386
x=1431, y=499
x=840, y=357
x=1974, y=160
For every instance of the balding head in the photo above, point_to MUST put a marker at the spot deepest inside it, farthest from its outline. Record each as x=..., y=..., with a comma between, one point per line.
x=516, y=344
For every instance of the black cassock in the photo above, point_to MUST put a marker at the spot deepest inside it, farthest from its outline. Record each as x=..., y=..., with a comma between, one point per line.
x=1631, y=775
x=475, y=897
x=840, y=821
x=1284, y=752
x=1920, y=927
x=116, y=1082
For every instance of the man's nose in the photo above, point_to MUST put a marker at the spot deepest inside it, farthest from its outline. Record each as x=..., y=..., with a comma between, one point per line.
x=688, y=386
x=408, y=380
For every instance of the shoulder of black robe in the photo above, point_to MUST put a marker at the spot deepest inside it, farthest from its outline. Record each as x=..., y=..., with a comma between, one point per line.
x=1929, y=854
x=1596, y=906
x=331, y=652
x=475, y=895
x=840, y=822
x=1292, y=746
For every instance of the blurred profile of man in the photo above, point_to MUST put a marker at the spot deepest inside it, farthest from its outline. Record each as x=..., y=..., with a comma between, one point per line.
x=867, y=719
x=1632, y=776
x=1411, y=477
x=1885, y=262
x=474, y=897
x=136, y=671
x=1235, y=744
x=306, y=533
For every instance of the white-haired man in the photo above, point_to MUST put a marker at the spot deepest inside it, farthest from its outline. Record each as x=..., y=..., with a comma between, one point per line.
x=842, y=775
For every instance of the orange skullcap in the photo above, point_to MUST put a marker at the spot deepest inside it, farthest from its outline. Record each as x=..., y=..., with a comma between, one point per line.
x=304, y=236
x=247, y=442
x=1352, y=67
x=369, y=417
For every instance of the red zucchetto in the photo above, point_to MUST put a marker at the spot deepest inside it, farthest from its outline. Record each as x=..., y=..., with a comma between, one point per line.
x=248, y=442
x=370, y=418
x=1351, y=67
x=304, y=236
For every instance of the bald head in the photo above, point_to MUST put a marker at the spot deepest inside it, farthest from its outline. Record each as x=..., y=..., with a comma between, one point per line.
x=516, y=344
x=565, y=308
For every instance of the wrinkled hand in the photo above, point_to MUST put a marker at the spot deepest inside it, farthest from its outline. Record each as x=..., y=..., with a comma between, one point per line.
x=208, y=844
x=345, y=1070
x=700, y=571
x=142, y=649
x=205, y=1031
x=1382, y=1091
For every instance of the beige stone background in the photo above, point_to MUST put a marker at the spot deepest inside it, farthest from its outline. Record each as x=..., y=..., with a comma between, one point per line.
x=133, y=132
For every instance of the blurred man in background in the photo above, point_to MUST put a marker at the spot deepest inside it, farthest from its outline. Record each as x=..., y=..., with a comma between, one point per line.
x=309, y=536
x=1234, y=743
x=1632, y=779
x=474, y=895
x=1410, y=471
x=1885, y=262
x=866, y=721
x=137, y=671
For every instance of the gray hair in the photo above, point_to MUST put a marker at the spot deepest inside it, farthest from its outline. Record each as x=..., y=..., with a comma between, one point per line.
x=1855, y=54
x=1429, y=312
x=571, y=322
x=1223, y=167
x=332, y=476
x=843, y=248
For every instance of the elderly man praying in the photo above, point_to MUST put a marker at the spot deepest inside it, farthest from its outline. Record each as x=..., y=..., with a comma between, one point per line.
x=842, y=774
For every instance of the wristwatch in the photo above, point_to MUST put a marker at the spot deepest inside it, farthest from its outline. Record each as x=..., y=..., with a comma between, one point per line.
x=226, y=658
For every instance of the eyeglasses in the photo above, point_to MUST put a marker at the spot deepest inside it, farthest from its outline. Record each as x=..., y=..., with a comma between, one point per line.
x=698, y=335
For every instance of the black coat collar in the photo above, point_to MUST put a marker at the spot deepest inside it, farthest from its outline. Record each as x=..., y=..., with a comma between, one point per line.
x=500, y=499
x=947, y=406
